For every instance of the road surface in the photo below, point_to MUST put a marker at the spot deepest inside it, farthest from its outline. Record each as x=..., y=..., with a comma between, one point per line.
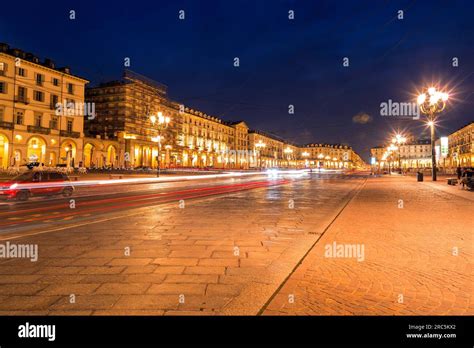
x=244, y=245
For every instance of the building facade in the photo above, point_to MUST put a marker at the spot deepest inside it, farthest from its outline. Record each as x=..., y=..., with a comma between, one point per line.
x=416, y=154
x=47, y=116
x=41, y=111
x=461, y=147
x=378, y=158
x=267, y=150
x=128, y=112
x=125, y=111
x=456, y=149
x=130, y=117
x=208, y=141
x=332, y=156
x=272, y=151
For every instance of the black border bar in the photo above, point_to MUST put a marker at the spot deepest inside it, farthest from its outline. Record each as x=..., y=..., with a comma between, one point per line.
x=328, y=330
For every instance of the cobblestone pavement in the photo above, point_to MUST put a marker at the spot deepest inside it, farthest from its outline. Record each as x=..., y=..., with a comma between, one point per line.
x=223, y=255
x=418, y=256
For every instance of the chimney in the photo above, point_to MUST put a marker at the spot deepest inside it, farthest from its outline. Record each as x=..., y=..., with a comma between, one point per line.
x=48, y=63
x=65, y=70
x=31, y=57
x=16, y=52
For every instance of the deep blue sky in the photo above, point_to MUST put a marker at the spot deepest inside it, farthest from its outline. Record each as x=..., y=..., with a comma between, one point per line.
x=282, y=62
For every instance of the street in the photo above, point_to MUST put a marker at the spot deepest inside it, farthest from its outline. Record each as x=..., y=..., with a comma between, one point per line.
x=242, y=246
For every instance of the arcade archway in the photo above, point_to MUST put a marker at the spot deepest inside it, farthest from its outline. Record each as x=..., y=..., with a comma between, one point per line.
x=3, y=151
x=36, y=150
x=68, y=153
x=88, y=155
x=111, y=155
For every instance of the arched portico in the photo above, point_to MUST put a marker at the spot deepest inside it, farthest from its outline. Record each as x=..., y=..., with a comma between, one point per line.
x=36, y=149
x=4, y=145
x=111, y=156
x=68, y=153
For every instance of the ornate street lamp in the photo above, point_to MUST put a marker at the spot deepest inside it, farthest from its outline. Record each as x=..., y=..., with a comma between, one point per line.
x=390, y=150
x=431, y=103
x=162, y=123
x=399, y=140
x=306, y=155
x=68, y=161
x=320, y=161
x=288, y=152
x=260, y=145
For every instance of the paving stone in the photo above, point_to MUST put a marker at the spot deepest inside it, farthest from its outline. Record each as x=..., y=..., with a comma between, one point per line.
x=68, y=289
x=204, y=270
x=191, y=278
x=123, y=288
x=85, y=302
x=147, y=302
x=173, y=261
x=178, y=289
x=169, y=269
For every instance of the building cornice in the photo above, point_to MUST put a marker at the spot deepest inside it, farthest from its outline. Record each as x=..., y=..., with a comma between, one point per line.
x=43, y=67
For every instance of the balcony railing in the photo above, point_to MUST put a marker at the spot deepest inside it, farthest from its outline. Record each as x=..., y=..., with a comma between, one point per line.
x=22, y=99
x=6, y=125
x=37, y=129
x=65, y=133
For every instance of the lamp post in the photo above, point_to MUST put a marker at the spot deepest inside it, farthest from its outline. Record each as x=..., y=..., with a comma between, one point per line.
x=327, y=163
x=320, y=157
x=399, y=140
x=168, y=149
x=68, y=163
x=431, y=103
x=383, y=160
x=288, y=152
x=390, y=150
x=162, y=123
x=305, y=155
x=260, y=145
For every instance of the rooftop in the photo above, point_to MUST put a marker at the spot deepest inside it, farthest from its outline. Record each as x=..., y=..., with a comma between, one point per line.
x=30, y=57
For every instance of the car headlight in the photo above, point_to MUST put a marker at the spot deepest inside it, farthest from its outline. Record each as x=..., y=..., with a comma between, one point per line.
x=13, y=186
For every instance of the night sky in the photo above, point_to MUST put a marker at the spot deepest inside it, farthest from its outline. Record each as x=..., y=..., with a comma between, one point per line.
x=282, y=61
